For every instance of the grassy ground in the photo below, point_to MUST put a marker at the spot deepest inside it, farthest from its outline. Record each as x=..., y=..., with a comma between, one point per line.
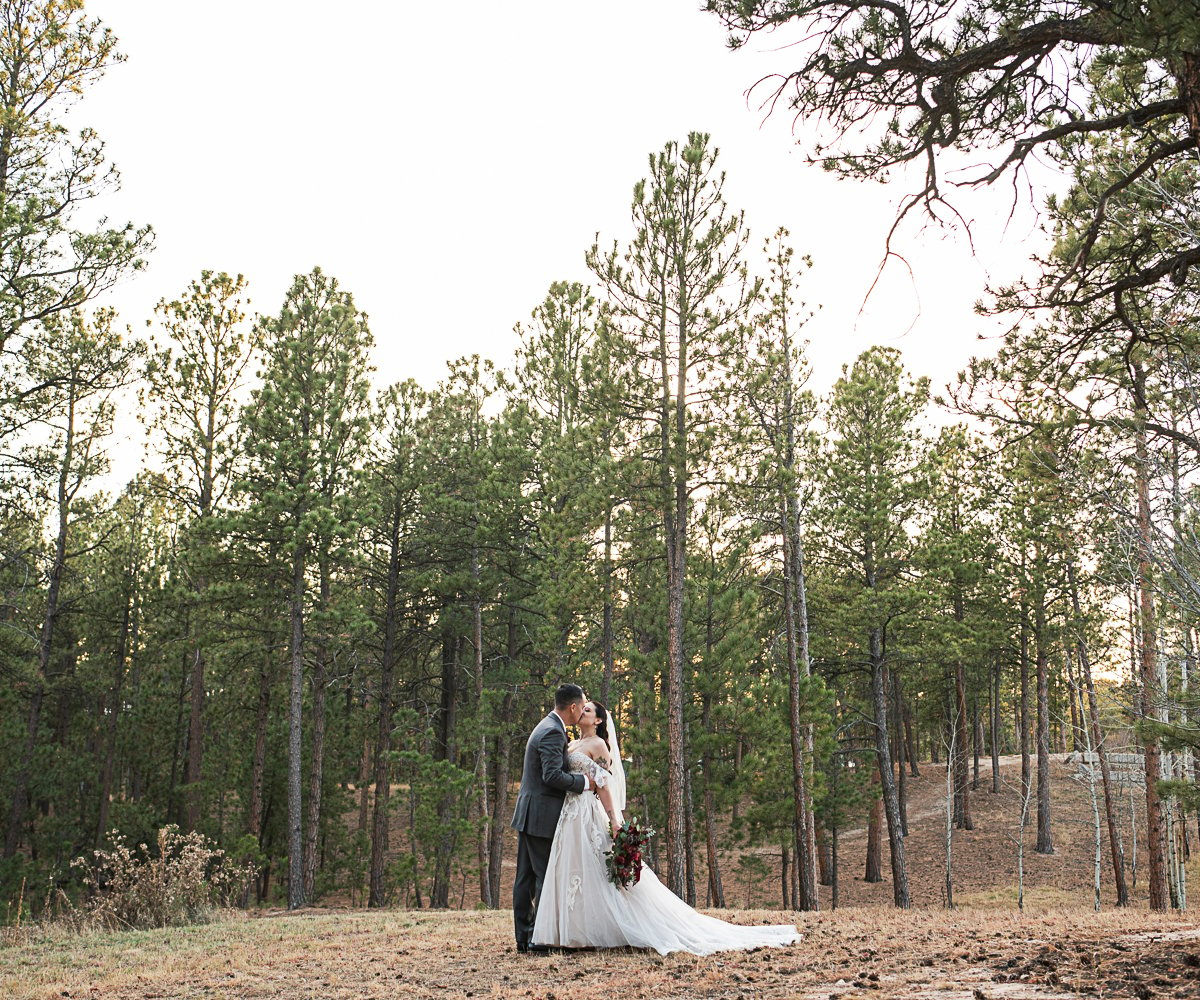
x=986, y=948
x=918, y=955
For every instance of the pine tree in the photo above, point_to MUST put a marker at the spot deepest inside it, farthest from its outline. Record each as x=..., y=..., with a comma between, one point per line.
x=391, y=479
x=678, y=294
x=52, y=262
x=195, y=380
x=935, y=75
x=767, y=386
x=306, y=430
x=80, y=364
x=958, y=551
x=874, y=485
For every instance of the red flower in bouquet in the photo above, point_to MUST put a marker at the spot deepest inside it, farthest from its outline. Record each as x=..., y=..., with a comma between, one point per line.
x=624, y=858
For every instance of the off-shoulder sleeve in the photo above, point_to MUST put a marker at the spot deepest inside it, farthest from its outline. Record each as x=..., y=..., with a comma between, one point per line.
x=599, y=775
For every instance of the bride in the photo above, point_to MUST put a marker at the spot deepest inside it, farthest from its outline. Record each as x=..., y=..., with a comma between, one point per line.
x=580, y=908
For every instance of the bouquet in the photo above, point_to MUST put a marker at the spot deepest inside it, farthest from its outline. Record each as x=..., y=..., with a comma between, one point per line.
x=624, y=859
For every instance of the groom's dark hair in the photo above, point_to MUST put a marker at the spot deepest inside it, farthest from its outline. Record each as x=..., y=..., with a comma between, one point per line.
x=567, y=694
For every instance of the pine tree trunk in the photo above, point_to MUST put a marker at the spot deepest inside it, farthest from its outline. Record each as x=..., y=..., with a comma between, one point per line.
x=259, y=763
x=192, y=768
x=1116, y=850
x=976, y=741
x=1155, y=831
x=674, y=474
x=1187, y=78
x=446, y=749
x=1078, y=739
x=1045, y=839
x=297, y=897
x=676, y=861
x=500, y=816
x=879, y=671
x=110, y=736
x=834, y=891
x=447, y=719
x=874, y=870
x=363, y=782
x=316, y=773
x=483, y=836
x=994, y=738
x=716, y=892
x=962, y=793
x=786, y=894
x=690, y=835
x=1026, y=771
x=796, y=634
x=179, y=737
x=948, y=886
x=898, y=750
x=824, y=866
x=606, y=635
x=799, y=660
x=377, y=894
x=910, y=741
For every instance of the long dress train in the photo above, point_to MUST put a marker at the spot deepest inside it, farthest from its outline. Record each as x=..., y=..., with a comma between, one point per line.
x=580, y=908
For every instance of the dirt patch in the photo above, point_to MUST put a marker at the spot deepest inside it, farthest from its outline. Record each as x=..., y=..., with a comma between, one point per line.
x=1141, y=965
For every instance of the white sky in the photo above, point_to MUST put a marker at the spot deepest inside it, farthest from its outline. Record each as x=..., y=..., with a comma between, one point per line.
x=446, y=162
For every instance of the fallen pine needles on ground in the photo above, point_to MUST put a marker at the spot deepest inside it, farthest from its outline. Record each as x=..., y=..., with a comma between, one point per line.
x=420, y=955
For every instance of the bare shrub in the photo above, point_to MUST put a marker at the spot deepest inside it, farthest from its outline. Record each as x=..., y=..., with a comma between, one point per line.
x=184, y=881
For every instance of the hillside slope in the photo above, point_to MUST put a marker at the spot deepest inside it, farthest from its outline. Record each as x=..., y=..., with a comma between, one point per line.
x=983, y=860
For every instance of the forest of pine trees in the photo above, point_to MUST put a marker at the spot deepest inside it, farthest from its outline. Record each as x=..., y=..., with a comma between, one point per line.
x=319, y=622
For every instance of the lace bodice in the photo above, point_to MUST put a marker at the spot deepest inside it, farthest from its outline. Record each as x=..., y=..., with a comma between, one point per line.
x=581, y=763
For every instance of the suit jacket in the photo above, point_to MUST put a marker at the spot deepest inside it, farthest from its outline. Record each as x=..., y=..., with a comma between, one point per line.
x=545, y=779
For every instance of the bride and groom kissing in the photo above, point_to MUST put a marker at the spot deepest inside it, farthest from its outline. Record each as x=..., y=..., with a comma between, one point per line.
x=568, y=809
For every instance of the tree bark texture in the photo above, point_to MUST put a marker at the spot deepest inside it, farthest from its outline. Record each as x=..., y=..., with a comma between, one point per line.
x=296, y=894
x=1045, y=838
x=1156, y=861
x=879, y=671
x=377, y=895
x=1116, y=850
x=316, y=772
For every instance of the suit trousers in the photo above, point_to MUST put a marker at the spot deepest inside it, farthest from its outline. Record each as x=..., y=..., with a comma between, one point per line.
x=533, y=856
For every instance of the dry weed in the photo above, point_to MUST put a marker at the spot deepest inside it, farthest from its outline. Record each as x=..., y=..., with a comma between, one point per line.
x=184, y=881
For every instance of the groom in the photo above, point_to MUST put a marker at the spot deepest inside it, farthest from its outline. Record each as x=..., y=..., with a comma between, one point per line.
x=545, y=780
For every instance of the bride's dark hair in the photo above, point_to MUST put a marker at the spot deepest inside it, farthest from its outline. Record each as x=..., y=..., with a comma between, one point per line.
x=601, y=720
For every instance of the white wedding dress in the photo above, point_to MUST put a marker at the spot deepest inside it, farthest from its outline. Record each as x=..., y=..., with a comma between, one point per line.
x=580, y=908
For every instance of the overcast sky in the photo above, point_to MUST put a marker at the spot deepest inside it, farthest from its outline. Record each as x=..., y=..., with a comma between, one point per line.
x=446, y=162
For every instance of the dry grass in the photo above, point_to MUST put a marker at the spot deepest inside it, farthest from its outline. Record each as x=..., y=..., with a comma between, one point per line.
x=985, y=949
x=452, y=955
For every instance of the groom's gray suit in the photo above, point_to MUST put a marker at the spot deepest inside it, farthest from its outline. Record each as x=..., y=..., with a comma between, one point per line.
x=545, y=781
